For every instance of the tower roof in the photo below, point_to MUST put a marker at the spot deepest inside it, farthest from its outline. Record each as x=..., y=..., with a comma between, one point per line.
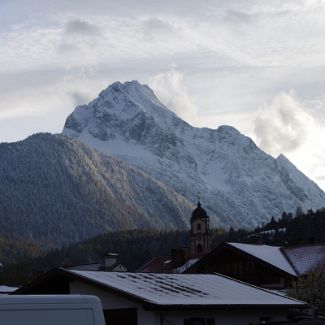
x=199, y=213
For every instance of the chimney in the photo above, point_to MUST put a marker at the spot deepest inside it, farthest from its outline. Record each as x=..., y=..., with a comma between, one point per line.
x=179, y=256
x=109, y=260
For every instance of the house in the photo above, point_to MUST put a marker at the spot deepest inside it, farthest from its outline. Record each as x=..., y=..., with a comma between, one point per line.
x=178, y=262
x=162, y=299
x=272, y=267
x=109, y=264
x=160, y=264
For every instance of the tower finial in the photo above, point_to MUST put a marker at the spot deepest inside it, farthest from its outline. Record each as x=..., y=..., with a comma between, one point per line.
x=198, y=198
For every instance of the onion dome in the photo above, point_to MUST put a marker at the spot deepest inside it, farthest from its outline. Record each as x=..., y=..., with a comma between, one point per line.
x=199, y=213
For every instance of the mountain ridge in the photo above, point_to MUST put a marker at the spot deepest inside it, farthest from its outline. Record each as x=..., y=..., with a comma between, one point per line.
x=241, y=185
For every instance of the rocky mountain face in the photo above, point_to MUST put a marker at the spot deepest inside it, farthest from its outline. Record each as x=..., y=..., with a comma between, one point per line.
x=56, y=190
x=240, y=185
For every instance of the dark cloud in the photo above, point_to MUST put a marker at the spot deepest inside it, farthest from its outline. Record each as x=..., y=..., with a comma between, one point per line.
x=155, y=27
x=158, y=25
x=239, y=17
x=78, y=26
x=79, y=98
x=77, y=35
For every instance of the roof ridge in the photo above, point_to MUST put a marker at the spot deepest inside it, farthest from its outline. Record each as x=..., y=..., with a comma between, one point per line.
x=284, y=253
x=148, y=263
x=233, y=242
x=72, y=265
x=305, y=245
x=264, y=260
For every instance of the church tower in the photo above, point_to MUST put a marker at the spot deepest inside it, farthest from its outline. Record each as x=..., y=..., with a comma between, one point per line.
x=200, y=239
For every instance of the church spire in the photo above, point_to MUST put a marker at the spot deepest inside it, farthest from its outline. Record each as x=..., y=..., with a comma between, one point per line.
x=200, y=239
x=198, y=198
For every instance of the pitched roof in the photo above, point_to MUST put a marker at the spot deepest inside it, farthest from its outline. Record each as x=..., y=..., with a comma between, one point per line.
x=185, y=266
x=184, y=290
x=304, y=258
x=156, y=265
x=163, y=264
x=269, y=254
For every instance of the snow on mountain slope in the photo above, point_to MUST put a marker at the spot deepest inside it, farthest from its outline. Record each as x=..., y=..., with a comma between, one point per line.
x=299, y=183
x=240, y=184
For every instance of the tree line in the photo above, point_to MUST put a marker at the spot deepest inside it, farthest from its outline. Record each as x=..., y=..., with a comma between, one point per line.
x=136, y=247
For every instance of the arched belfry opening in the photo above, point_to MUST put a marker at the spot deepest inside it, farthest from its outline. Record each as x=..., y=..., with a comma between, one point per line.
x=200, y=238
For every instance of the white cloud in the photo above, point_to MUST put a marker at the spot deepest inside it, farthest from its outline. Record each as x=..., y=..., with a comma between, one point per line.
x=170, y=89
x=283, y=126
x=287, y=126
x=44, y=107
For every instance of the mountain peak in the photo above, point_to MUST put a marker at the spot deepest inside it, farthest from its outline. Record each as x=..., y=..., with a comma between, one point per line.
x=281, y=156
x=242, y=184
x=128, y=104
x=228, y=130
x=134, y=89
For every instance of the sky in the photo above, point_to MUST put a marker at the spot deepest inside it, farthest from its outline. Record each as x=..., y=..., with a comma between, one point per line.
x=256, y=65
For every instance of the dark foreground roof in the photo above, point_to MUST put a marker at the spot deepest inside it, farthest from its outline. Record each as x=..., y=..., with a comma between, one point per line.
x=174, y=291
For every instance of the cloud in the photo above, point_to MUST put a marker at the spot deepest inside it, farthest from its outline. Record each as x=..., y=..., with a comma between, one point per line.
x=81, y=27
x=170, y=89
x=239, y=18
x=294, y=127
x=283, y=126
x=79, y=98
x=155, y=27
x=79, y=35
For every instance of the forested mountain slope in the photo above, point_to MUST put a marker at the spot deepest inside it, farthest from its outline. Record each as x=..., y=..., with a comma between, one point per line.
x=56, y=190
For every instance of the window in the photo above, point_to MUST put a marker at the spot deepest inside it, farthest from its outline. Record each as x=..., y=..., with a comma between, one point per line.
x=199, y=248
x=125, y=316
x=199, y=321
x=198, y=226
x=194, y=321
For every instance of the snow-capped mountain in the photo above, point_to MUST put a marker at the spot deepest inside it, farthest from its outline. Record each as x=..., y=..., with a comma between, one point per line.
x=239, y=183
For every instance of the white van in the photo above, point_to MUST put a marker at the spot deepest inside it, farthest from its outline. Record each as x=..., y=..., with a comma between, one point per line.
x=51, y=310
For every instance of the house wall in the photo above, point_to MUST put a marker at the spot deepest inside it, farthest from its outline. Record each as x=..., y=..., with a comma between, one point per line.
x=112, y=301
x=231, y=317
x=147, y=317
